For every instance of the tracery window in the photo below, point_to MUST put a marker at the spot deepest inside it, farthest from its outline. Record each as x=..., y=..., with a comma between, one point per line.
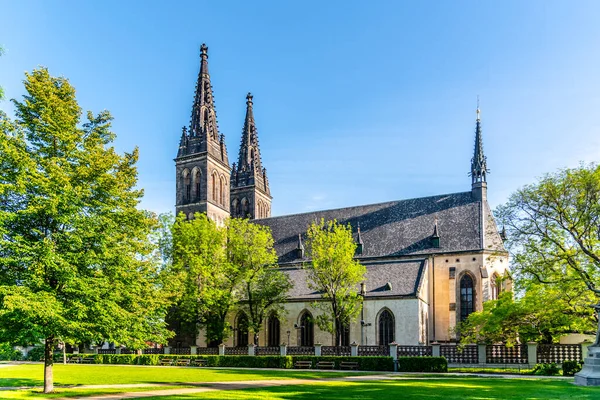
x=241, y=330
x=467, y=297
x=307, y=330
x=386, y=328
x=274, y=329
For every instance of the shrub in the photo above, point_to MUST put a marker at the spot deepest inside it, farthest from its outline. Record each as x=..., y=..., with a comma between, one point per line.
x=8, y=353
x=35, y=354
x=422, y=364
x=570, y=368
x=546, y=369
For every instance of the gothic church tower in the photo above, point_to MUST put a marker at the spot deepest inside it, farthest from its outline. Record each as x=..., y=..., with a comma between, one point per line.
x=250, y=193
x=201, y=164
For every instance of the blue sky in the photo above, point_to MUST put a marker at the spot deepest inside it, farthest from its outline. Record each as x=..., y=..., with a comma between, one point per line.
x=356, y=102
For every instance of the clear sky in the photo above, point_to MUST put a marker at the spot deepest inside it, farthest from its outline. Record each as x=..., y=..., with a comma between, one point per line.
x=356, y=102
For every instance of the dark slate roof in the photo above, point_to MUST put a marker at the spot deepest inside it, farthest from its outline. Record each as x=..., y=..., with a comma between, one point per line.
x=405, y=278
x=399, y=228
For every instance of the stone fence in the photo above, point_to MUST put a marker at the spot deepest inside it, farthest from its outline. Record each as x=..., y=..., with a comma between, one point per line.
x=525, y=355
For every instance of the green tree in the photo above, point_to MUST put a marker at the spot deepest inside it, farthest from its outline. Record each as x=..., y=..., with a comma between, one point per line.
x=75, y=252
x=542, y=314
x=263, y=288
x=553, y=230
x=335, y=273
x=208, y=280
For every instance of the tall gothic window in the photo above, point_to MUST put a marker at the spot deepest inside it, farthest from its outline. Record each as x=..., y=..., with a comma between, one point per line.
x=197, y=181
x=307, y=330
x=467, y=297
x=496, y=286
x=244, y=208
x=242, y=330
x=222, y=190
x=235, y=208
x=274, y=331
x=215, y=187
x=386, y=328
x=187, y=187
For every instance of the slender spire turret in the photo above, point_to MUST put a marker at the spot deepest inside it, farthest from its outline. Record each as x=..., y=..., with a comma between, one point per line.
x=479, y=168
x=479, y=161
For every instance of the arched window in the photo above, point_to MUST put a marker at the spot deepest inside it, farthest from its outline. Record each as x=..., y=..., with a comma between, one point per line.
x=245, y=208
x=496, y=286
x=241, y=327
x=197, y=180
x=215, y=187
x=235, y=208
x=222, y=190
x=274, y=329
x=467, y=296
x=187, y=187
x=307, y=330
x=386, y=328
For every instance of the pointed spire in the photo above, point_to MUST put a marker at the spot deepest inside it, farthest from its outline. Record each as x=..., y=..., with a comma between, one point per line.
x=479, y=161
x=249, y=166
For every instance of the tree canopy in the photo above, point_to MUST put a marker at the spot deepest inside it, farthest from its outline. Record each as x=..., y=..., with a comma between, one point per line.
x=553, y=234
x=335, y=274
x=222, y=269
x=75, y=251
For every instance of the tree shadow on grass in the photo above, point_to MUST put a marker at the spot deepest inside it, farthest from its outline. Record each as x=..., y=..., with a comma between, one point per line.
x=18, y=382
x=451, y=389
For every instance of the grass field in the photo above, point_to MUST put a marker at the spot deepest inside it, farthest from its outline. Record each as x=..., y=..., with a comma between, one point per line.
x=75, y=374
x=407, y=387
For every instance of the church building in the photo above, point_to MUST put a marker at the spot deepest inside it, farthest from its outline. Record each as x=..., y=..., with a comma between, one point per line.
x=430, y=261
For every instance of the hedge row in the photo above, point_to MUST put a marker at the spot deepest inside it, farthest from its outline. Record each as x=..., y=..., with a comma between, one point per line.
x=422, y=364
x=364, y=363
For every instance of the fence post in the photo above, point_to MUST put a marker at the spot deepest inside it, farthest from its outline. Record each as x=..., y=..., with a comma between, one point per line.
x=435, y=350
x=481, y=353
x=96, y=349
x=193, y=350
x=282, y=350
x=117, y=350
x=394, y=354
x=222, y=349
x=167, y=350
x=354, y=349
x=532, y=353
x=318, y=349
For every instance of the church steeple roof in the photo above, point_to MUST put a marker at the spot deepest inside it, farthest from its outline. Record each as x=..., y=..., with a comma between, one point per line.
x=203, y=133
x=479, y=168
x=249, y=170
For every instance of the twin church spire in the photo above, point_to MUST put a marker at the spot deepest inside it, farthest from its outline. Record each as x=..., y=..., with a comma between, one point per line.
x=206, y=182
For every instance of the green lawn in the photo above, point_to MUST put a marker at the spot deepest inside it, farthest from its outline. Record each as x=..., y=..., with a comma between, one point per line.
x=413, y=387
x=75, y=374
x=446, y=389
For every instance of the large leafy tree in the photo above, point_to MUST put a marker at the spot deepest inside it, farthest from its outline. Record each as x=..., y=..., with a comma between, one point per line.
x=263, y=288
x=221, y=269
x=75, y=251
x=335, y=273
x=553, y=231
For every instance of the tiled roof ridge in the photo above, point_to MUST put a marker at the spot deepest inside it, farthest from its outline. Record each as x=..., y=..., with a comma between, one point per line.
x=367, y=205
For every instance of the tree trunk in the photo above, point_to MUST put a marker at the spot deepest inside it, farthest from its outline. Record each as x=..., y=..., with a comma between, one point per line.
x=48, y=363
x=64, y=353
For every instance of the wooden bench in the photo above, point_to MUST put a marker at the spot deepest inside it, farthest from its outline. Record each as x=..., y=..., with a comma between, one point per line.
x=199, y=362
x=303, y=364
x=348, y=365
x=325, y=364
x=183, y=362
x=165, y=361
x=74, y=360
x=88, y=360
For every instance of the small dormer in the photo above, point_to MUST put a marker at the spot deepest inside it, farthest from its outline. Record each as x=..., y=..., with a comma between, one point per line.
x=359, y=242
x=435, y=237
x=300, y=247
